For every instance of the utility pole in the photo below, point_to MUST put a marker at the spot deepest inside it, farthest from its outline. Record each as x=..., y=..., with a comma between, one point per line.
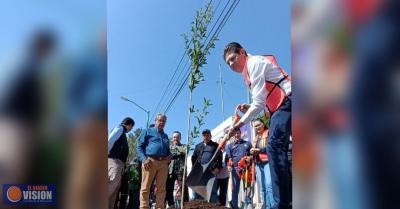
x=146, y=111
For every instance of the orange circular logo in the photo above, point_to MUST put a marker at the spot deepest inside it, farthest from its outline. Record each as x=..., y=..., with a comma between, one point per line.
x=14, y=194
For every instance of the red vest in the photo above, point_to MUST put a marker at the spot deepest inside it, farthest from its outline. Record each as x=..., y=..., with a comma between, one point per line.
x=276, y=95
x=261, y=143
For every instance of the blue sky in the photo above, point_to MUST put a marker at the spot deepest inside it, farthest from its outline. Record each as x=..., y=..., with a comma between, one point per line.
x=74, y=22
x=145, y=45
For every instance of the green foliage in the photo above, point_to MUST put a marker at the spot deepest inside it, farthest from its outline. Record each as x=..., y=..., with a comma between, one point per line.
x=191, y=109
x=132, y=141
x=199, y=116
x=133, y=176
x=195, y=46
x=131, y=171
x=197, y=51
x=265, y=119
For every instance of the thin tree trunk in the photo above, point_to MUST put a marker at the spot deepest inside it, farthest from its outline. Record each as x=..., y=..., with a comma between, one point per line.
x=187, y=150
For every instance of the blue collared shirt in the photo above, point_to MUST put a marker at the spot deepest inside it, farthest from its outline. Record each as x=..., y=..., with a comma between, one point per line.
x=152, y=143
x=237, y=150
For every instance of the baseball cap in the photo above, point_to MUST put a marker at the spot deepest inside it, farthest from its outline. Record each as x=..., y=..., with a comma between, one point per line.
x=206, y=131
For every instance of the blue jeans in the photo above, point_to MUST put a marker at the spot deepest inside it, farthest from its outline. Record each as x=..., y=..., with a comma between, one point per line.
x=214, y=193
x=177, y=202
x=236, y=186
x=265, y=184
x=235, y=192
x=278, y=141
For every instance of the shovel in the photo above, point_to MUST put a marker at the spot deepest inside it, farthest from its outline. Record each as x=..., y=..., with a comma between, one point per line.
x=200, y=178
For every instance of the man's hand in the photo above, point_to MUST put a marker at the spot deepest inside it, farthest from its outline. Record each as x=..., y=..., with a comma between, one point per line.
x=169, y=158
x=231, y=132
x=147, y=164
x=255, y=150
x=243, y=107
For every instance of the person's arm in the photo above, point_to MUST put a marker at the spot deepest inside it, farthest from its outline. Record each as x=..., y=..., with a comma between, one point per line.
x=228, y=152
x=182, y=152
x=228, y=159
x=140, y=147
x=258, y=91
x=219, y=159
x=216, y=164
x=113, y=137
x=168, y=148
x=194, y=156
x=249, y=147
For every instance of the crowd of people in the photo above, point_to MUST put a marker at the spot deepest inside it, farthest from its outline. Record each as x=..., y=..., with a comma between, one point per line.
x=241, y=165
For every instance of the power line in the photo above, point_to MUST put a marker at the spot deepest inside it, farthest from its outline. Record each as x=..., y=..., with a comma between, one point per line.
x=177, y=91
x=221, y=25
x=165, y=91
x=216, y=32
x=215, y=23
x=184, y=79
x=169, y=84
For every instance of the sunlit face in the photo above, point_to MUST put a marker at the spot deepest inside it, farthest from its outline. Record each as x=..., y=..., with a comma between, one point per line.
x=237, y=135
x=259, y=126
x=161, y=121
x=206, y=137
x=128, y=128
x=236, y=61
x=176, y=138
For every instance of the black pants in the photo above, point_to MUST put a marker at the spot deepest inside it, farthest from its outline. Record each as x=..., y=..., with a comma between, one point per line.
x=222, y=187
x=122, y=196
x=134, y=201
x=169, y=196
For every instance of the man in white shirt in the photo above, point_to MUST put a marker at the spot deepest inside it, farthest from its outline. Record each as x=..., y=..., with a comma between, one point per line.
x=270, y=88
x=118, y=151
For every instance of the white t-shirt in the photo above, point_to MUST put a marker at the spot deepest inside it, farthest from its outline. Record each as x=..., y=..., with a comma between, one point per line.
x=261, y=70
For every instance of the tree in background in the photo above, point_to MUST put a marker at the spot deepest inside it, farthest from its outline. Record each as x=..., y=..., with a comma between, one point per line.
x=132, y=141
x=197, y=50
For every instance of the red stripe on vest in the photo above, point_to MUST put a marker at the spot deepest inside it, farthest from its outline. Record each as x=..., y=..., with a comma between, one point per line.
x=276, y=95
x=263, y=157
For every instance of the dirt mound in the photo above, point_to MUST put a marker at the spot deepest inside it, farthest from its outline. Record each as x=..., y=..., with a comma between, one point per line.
x=201, y=204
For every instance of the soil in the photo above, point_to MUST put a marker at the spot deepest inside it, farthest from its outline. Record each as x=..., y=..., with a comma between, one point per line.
x=201, y=204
